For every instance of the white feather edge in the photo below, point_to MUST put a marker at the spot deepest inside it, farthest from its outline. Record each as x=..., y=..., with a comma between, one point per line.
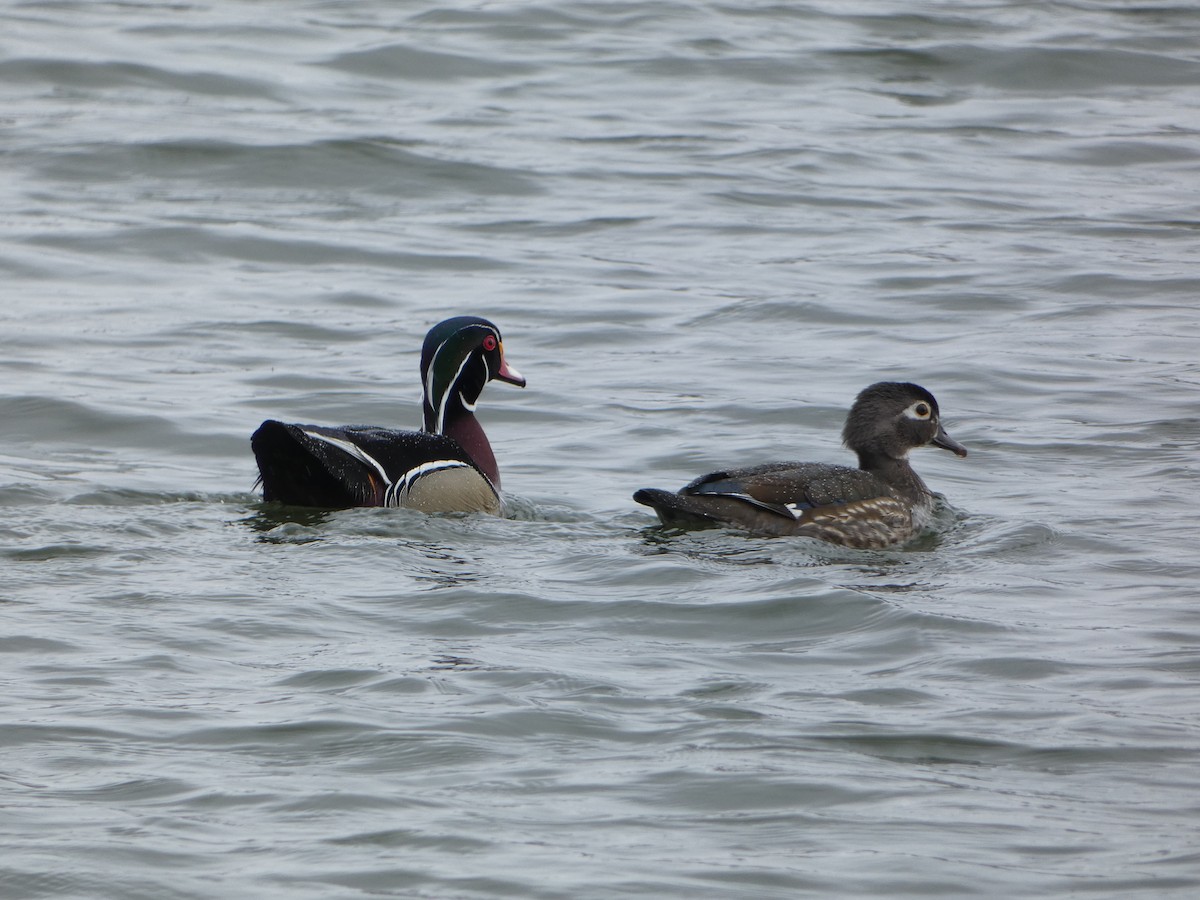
x=352, y=450
x=394, y=490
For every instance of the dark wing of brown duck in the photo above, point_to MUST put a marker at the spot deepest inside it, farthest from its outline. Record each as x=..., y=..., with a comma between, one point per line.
x=791, y=489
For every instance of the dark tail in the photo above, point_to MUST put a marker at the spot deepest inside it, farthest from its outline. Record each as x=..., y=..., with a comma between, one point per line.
x=673, y=508
x=299, y=471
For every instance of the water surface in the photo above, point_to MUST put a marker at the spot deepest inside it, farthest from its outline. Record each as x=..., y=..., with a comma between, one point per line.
x=702, y=229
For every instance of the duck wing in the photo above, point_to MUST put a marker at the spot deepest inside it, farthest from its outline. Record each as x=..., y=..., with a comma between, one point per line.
x=789, y=489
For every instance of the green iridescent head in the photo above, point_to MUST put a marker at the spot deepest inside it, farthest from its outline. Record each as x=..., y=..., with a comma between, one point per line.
x=459, y=357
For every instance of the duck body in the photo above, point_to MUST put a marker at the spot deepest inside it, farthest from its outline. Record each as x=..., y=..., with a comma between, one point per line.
x=364, y=465
x=832, y=503
x=881, y=503
x=448, y=466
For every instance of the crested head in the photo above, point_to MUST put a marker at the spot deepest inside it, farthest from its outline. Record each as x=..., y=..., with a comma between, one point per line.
x=460, y=356
x=890, y=418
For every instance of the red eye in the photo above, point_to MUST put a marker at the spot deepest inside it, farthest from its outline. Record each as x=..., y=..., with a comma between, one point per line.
x=489, y=343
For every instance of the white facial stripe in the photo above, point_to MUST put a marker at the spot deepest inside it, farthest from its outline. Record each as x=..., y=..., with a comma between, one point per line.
x=439, y=403
x=352, y=450
x=429, y=398
x=441, y=407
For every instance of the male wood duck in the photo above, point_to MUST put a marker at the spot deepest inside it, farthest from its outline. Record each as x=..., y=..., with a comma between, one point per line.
x=881, y=503
x=448, y=466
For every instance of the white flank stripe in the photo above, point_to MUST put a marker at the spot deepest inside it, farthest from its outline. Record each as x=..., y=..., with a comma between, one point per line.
x=398, y=493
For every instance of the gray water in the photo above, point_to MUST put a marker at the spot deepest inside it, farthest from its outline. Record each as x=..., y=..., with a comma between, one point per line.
x=702, y=229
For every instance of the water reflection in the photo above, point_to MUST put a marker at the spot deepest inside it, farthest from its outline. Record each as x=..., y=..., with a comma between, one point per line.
x=277, y=523
x=430, y=562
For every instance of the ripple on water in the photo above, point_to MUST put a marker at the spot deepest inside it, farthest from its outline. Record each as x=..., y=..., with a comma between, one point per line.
x=703, y=228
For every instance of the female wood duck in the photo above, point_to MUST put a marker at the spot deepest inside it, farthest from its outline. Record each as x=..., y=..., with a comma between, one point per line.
x=882, y=502
x=446, y=467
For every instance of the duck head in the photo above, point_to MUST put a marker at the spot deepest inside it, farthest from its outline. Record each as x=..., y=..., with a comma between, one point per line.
x=891, y=418
x=459, y=357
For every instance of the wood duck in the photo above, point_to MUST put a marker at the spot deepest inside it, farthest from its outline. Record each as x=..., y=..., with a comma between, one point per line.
x=448, y=466
x=881, y=503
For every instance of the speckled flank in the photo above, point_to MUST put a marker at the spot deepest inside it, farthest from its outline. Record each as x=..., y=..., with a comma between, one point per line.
x=864, y=524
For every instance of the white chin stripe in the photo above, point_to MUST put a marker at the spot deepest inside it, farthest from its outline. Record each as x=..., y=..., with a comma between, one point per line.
x=398, y=494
